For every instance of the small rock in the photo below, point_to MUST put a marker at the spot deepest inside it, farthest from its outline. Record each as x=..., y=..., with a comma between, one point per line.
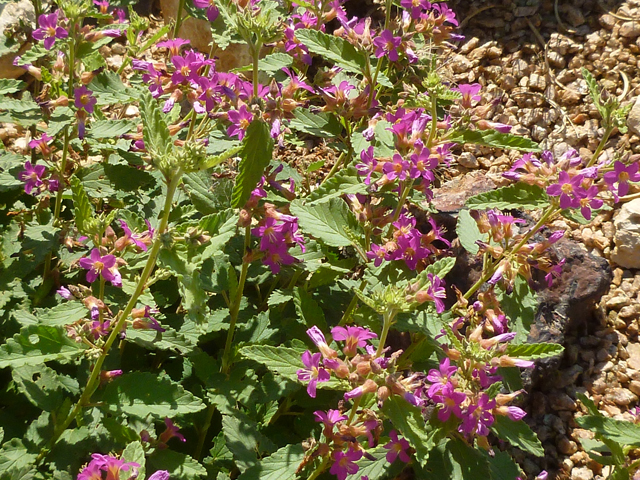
x=630, y=311
x=566, y=446
x=630, y=29
x=627, y=237
x=617, y=302
x=508, y=82
x=556, y=60
x=620, y=396
x=21, y=143
x=14, y=18
x=607, y=21
x=472, y=43
x=633, y=362
x=573, y=14
x=131, y=111
x=581, y=473
x=562, y=401
x=633, y=120
x=468, y=160
x=634, y=386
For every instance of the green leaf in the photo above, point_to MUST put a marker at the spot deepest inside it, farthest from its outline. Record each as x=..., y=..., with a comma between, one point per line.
x=408, y=420
x=167, y=340
x=111, y=128
x=518, y=434
x=135, y=453
x=62, y=314
x=15, y=457
x=502, y=466
x=308, y=309
x=281, y=465
x=84, y=215
x=594, y=92
x=623, y=432
x=468, y=232
x=533, y=351
x=453, y=459
x=377, y=468
x=37, y=344
x=275, y=62
x=179, y=465
x=520, y=196
x=343, y=182
x=329, y=222
x=157, y=138
x=256, y=153
x=491, y=138
x=587, y=402
x=322, y=124
x=201, y=191
x=520, y=307
x=333, y=48
x=281, y=360
x=142, y=393
x=243, y=439
x=43, y=386
x=109, y=89
x=10, y=85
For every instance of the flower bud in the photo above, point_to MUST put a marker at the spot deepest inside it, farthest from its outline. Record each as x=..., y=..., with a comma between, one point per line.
x=383, y=394
x=363, y=368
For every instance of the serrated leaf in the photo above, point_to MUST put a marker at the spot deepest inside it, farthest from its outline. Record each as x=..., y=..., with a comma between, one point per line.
x=179, y=465
x=534, y=351
x=62, y=314
x=518, y=434
x=520, y=307
x=242, y=439
x=453, y=459
x=142, y=393
x=256, y=153
x=37, y=344
x=84, y=215
x=333, y=48
x=281, y=465
x=10, y=85
x=468, y=232
x=439, y=268
x=491, y=138
x=377, y=468
x=344, y=182
x=167, y=340
x=279, y=297
x=15, y=457
x=43, y=386
x=520, y=196
x=275, y=62
x=214, y=160
x=502, y=466
x=155, y=132
x=109, y=89
x=622, y=432
x=308, y=309
x=408, y=420
x=587, y=402
x=322, y=124
x=111, y=128
x=329, y=222
x=134, y=452
x=281, y=360
x=594, y=91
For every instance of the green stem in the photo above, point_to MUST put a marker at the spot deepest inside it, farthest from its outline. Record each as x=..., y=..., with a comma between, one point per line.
x=235, y=304
x=334, y=169
x=256, y=59
x=321, y=468
x=202, y=435
x=387, y=321
x=403, y=198
x=92, y=383
x=101, y=297
x=352, y=305
x=434, y=120
x=176, y=28
x=605, y=139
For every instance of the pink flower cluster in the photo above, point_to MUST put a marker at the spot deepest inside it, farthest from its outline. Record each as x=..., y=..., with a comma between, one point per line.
x=278, y=232
x=408, y=243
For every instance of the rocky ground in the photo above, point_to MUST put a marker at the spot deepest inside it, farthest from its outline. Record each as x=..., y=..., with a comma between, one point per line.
x=528, y=54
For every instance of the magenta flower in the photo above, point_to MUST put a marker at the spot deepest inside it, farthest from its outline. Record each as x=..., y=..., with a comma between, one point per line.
x=469, y=93
x=451, y=401
x=170, y=432
x=101, y=266
x=330, y=418
x=240, y=121
x=49, y=30
x=140, y=240
x=515, y=413
x=42, y=144
x=65, y=293
x=345, y=463
x=566, y=189
x=415, y=7
x=174, y=45
x=368, y=165
x=622, y=175
x=439, y=378
x=109, y=464
x=478, y=418
x=423, y=164
x=398, y=168
x=32, y=176
x=446, y=12
x=353, y=337
x=377, y=253
x=142, y=319
x=397, y=448
x=103, y=5
x=317, y=337
x=159, y=475
x=212, y=10
x=587, y=200
x=313, y=373
x=387, y=44
x=84, y=99
x=98, y=328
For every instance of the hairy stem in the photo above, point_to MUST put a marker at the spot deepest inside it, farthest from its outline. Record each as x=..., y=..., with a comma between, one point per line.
x=605, y=139
x=387, y=321
x=176, y=28
x=92, y=383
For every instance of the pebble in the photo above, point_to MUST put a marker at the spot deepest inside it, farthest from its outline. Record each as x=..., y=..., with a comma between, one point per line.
x=633, y=362
x=620, y=396
x=581, y=473
x=468, y=160
x=630, y=311
x=566, y=446
x=630, y=29
x=634, y=386
x=617, y=302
